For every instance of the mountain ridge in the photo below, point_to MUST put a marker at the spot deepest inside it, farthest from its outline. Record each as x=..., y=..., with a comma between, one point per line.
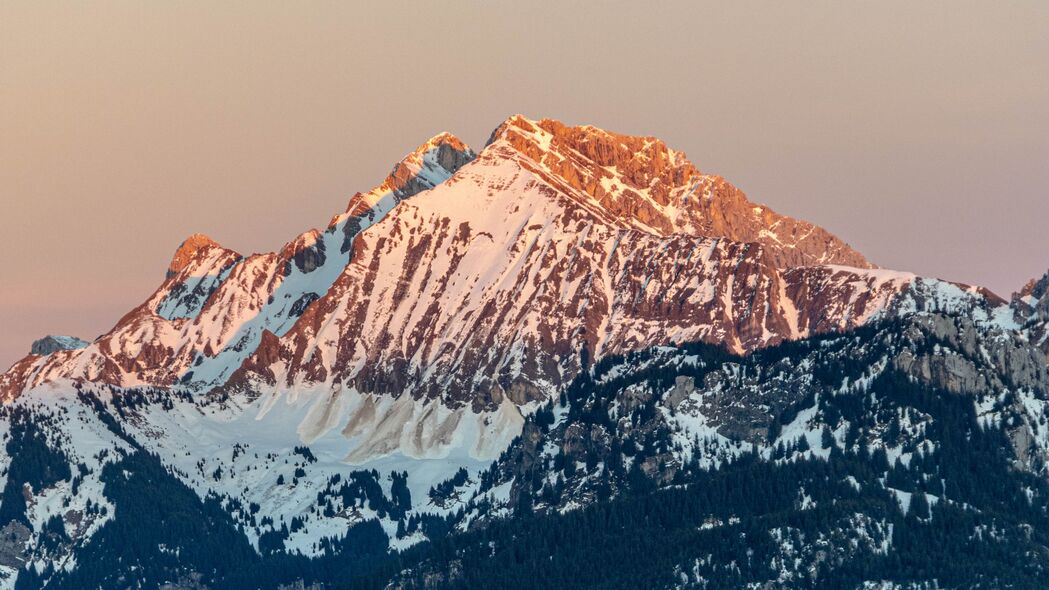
x=661, y=191
x=629, y=183
x=570, y=337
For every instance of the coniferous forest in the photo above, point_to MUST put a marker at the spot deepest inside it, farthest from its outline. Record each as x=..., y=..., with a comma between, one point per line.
x=879, y=488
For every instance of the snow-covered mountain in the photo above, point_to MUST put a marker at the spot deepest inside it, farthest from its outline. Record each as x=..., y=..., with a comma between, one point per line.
x=551, y=240
x=478, y=280
x=349, y=382
x=215, y=304
x=54, y=343
x=1032, y=310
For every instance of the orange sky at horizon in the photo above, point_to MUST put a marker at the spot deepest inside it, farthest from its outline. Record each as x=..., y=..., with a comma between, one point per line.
x=918, y=132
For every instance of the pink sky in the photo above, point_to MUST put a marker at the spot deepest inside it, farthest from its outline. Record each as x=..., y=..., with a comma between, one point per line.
x=920, y=134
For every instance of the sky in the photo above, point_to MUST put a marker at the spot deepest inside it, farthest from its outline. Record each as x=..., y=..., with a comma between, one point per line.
x=916, y=131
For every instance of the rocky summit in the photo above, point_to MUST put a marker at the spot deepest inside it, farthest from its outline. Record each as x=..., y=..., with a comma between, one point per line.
x=569, y=338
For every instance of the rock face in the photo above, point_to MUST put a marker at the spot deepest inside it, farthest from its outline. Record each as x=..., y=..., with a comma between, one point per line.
x=709, y=400
x=641, y=183
x=51, y=344
x=1031, y=305
x=190, y=252
x=1036, y=289
x=1014, y=363
x=13, y=538
x=215, y=304
x=426, y=167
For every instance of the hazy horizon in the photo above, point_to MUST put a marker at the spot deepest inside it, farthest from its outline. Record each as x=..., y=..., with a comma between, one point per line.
x=918, y=134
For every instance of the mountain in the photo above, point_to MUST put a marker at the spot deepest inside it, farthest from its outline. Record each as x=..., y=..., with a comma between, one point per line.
x=489, y=286
x=52, y=343
x=215, y=304
x=489, y=343
x=640, y=183
x=869, y=459
x=552, y=240
x=1031, y=305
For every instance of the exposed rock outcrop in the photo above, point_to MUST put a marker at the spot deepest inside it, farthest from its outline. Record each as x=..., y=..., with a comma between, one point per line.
x=1031, y=306
x=51, y=344
x=641, y=182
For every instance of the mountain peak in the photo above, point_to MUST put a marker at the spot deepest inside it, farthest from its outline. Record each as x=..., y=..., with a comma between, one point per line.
x=190, y=249
x=442, y=138
x=576, y=136
x=640, y=159
x=641, y=183
x=54, y=343
x=433, y=162
x=630, y=177
x=1036, y=288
